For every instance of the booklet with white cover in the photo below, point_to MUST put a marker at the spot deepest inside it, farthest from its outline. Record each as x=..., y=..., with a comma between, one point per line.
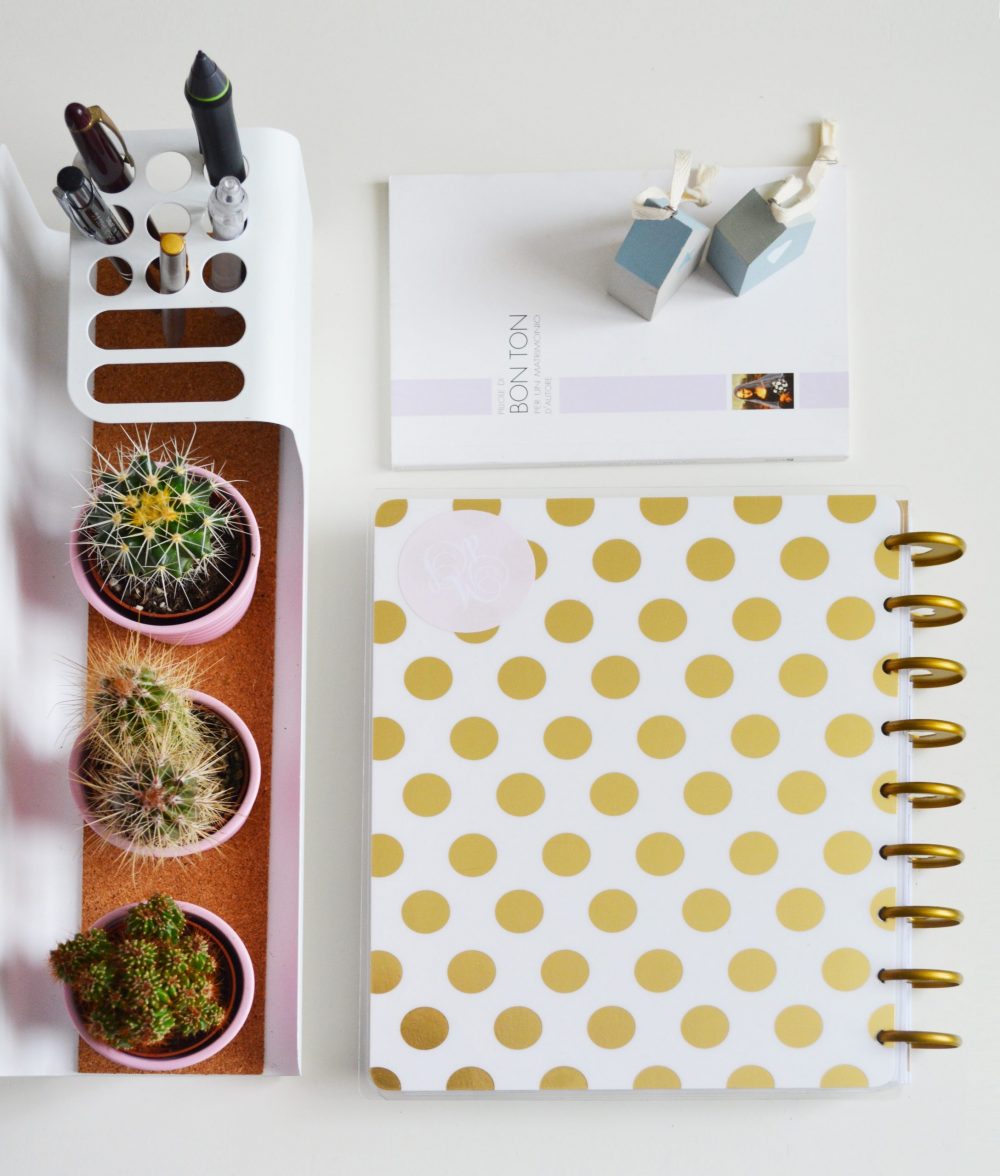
x=508, y=350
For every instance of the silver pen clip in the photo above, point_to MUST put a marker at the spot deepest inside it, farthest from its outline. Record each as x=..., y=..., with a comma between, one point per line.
x=74, y=214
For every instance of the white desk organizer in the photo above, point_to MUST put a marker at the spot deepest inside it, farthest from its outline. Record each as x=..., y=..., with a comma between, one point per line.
x=43, y=444
x=274, y=298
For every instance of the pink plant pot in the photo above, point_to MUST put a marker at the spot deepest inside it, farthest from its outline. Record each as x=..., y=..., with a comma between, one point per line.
x=208, y=625
x=214, y=840
x=239, y=961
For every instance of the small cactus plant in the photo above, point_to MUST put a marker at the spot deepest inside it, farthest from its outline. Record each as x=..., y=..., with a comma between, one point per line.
x=152, y=522
x=152, y=980
x=136, y=692
x=154, y=768
x=162, y=796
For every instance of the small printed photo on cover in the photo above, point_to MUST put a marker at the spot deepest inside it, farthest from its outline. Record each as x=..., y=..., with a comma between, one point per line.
x=763, y=390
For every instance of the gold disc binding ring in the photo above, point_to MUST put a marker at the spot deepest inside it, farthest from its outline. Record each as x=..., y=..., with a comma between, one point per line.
x=924, y=856
x=922, y=977
x=918, y=1038
x=939, y=547
x=927, y=671
x=927, y=732
x=923, y=916
x=929, y=612
x=927, y=795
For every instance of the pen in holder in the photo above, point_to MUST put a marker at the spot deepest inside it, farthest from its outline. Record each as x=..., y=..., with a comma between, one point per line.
x=173, y=277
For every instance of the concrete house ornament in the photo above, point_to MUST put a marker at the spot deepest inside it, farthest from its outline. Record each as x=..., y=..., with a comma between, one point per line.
x=761, y=235
x=664, y=246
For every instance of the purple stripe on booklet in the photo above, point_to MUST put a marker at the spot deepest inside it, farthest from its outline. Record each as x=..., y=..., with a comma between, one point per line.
x=642, y=393
x=823, y=390
x=441, y=398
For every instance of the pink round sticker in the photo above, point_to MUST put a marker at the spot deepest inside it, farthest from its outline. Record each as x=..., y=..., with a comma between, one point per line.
x=465, y=571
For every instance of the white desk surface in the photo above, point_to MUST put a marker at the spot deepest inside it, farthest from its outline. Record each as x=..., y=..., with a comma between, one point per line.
x=378, y=86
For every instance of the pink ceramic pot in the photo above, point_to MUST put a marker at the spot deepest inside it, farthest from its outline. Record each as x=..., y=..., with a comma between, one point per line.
x=232, y=826
x=209, y=623
x=237, y=958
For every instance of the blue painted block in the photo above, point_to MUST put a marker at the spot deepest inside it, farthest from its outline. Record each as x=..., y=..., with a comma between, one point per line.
x=655, y=259
x=748, y=245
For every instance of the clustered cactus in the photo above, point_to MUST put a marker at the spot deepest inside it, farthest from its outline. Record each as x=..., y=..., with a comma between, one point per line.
x=150, y=981
x=154, y=772
x=151, y=520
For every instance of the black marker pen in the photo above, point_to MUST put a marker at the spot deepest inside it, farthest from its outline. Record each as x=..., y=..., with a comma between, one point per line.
x=210, y=95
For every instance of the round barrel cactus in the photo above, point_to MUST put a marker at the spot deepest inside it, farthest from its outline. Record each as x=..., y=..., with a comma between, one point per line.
x=152, y=516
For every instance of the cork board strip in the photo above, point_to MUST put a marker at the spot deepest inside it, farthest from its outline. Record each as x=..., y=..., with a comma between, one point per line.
x=238, y=669
x=204, y=326
x=173, y=383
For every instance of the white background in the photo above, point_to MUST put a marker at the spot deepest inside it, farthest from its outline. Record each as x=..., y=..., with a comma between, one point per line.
x=378, y=86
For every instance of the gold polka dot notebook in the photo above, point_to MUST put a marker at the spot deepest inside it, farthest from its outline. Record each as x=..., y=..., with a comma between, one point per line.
x=627, y=793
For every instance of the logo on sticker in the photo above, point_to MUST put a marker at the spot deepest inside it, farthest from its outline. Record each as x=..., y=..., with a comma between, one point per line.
x=465, y=571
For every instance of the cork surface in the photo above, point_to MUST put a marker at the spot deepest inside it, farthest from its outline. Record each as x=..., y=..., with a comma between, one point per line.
x=170, y=382
x=115, y=330
x=238, y=669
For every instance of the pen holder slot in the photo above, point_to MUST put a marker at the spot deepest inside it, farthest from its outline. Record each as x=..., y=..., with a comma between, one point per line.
x=168, y=218
x=204, y=326
x=246, y=163
x=111, y=276
x=168, y=171
x=249, y=295
x=224, y=272
x=165, y=383
x=153, y=278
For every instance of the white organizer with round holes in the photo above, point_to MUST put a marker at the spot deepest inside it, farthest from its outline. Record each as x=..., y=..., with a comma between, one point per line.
x=273, y=355
x=274, y=299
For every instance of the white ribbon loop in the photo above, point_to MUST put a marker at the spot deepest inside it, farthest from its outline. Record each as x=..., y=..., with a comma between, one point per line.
x=795, y=197
x=701, y=179
x=687, y=186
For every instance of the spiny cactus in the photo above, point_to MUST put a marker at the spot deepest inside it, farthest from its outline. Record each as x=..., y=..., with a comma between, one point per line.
x=136, y=691
x=150, y=518
x=154, y=768
x=164, y=795
x=153, y=980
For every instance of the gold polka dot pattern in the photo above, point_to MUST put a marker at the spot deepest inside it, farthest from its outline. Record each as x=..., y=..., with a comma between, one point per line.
x=617, y=560
x=656, y=1078
x=428, y=678
x=565, y=971
x=629, y=837
x=472, y=971
x=521, y=678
